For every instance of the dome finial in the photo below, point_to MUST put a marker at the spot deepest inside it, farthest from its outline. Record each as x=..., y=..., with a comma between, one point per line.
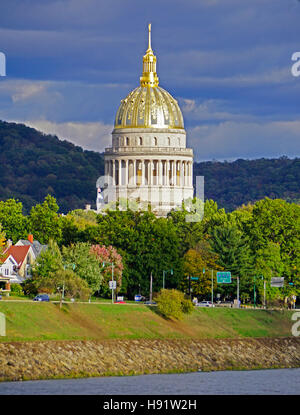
x=149, y=77
x=149, y=37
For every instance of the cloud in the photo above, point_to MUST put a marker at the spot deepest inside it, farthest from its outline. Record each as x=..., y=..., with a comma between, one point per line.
x=231, y=140
x=90, y=135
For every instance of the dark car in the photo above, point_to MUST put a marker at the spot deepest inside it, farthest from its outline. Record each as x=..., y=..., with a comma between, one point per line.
x=42, y=297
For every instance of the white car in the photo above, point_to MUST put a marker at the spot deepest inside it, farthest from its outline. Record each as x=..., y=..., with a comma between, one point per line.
x=205, y=304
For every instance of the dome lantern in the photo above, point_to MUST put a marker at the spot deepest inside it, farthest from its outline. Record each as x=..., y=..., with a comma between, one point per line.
x=149, y=77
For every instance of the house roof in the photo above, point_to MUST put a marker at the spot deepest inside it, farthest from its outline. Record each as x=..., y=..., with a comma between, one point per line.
x=19, y=253
x=36, y=246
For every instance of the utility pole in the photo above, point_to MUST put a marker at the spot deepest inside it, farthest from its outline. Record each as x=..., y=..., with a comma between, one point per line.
x=151, y=287
x=112, y=278
x=238, y=291
x=212, y=287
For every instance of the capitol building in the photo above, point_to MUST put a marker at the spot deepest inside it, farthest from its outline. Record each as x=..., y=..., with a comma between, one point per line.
x=148, y=161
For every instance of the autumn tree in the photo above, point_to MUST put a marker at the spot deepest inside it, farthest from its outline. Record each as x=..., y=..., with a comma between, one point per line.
x=111, y=265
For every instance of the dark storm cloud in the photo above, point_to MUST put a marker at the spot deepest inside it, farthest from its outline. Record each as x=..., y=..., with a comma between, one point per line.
x=72, y=61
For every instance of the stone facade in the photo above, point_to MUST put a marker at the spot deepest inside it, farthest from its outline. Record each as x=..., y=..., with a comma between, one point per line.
x=149, y=166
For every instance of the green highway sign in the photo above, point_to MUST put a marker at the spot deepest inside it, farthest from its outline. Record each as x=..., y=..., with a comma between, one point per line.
x=224, y=277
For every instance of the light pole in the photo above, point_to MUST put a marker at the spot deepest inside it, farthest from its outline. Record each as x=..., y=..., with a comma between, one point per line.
x=254, y=293
x=164, y=273
x=112, y=278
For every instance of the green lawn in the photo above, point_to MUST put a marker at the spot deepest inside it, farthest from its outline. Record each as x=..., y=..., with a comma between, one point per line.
x=46, y=321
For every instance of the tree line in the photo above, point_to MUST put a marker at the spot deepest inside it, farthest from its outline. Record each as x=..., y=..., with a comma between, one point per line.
x=256, y=239
x=34, y=165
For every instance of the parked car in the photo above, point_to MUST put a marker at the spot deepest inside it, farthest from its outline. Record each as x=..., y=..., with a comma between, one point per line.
x=150, y=302
x=42, y=297
x=120, y=302
x=205, y=304
x=139, y=297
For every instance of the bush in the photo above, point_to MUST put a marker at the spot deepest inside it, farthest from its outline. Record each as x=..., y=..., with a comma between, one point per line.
x=187, y=306
x=17, y=290
x=172, y=304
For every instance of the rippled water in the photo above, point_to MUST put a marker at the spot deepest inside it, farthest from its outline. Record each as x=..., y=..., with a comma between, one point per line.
x=265, y=382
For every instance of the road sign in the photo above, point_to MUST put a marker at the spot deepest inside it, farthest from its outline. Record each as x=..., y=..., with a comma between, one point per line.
x=112, y=285
x=277, y=282
x=194, y=278
x=224, y=277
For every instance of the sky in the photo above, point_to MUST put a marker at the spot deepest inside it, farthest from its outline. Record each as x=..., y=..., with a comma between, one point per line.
x=227, y=62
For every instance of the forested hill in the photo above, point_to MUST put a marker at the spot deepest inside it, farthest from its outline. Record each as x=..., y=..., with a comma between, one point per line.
x=231, y=184
x=34, y=164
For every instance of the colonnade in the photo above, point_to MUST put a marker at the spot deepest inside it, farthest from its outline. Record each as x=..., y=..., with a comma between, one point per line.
x=147, y=172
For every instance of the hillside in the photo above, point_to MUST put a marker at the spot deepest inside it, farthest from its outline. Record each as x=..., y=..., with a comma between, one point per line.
x=33, y=321
x=34, y=164
x=242, y=181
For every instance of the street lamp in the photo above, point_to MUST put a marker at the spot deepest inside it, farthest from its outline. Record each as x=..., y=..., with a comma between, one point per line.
x=164, y=272
x=254, y=293
x=112, y=278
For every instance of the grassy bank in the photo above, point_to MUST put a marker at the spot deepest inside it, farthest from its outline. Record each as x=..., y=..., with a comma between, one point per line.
x=26, y=321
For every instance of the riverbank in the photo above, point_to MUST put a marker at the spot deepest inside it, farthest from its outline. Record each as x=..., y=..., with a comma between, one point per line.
x=70, y=359
x=35, y=321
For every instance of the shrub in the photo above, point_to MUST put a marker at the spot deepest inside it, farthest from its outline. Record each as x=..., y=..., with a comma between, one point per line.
x=17, y=290
x=187, y=306
x=172, y=304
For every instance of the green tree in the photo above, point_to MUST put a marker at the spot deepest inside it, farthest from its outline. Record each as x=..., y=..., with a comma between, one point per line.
x=86, y=264
x=44, y=221
x=198, y=263
x=13, y=222
x=234, y=255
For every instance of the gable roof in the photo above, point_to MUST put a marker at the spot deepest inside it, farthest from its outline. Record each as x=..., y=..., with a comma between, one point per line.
x=19, y=253
x=36, y=246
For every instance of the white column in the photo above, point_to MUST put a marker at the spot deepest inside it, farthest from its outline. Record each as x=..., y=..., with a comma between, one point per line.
x=167, y=173
x=174, y=172
x=190, y=174
x=126, y=173
x=134, y=172
x=151, y=173
x=143, y=172
x=159, y=173
x=181, y=174
x=120, y=172
x=113, y=172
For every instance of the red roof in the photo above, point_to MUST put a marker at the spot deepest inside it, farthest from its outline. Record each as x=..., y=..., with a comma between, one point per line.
x=18, y=252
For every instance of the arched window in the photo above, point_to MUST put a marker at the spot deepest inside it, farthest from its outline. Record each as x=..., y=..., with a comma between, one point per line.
x=140, y=141
x=178, y=142
x=127, y=141
x=169, y=141
x=155, y=141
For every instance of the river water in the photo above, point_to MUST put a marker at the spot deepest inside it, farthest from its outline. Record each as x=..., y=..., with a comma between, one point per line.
x=255, y=382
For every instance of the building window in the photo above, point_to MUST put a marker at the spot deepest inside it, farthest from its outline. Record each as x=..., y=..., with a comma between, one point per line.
x=169, y=141
x=140, y=141
x=6, y=271
x=127, y=141
x=155, y=141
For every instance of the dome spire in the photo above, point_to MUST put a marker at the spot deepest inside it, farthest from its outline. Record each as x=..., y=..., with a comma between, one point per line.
x=149, y=77
x=149, y=38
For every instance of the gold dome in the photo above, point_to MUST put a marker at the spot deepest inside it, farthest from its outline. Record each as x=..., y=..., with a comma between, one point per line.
x=149, y=106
